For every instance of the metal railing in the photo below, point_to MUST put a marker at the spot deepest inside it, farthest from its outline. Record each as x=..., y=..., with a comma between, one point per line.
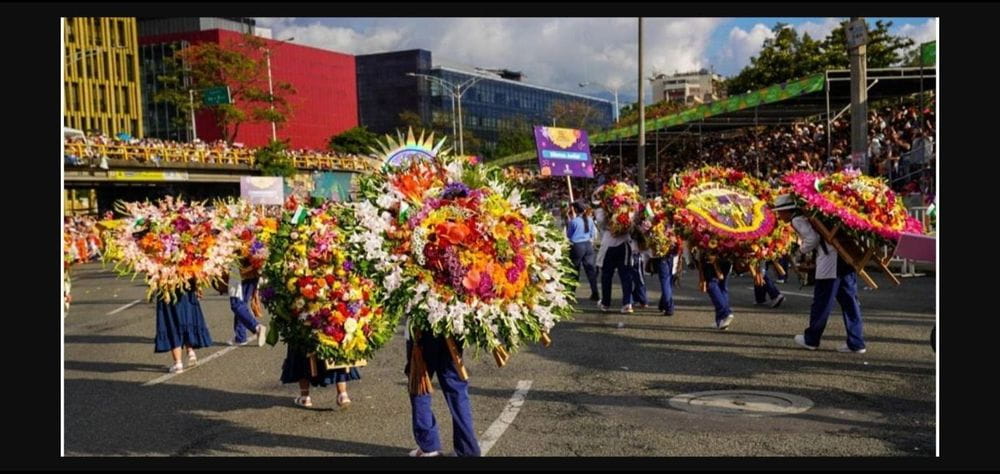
x=163, y=155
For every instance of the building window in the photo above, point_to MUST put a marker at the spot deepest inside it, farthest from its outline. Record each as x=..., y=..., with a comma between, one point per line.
x=69, y=30
x=121, y=33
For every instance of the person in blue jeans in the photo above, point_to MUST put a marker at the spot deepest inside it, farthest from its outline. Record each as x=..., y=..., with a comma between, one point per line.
x=615, y=255
x=580, y=230
x=241, y=292
x=835, y=281
x=665, y=270
x=436, y=358
x=716, y=274
x=640, y=255
x=768, y=289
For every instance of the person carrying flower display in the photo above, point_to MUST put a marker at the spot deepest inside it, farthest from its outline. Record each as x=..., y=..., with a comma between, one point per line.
x=241, y=292
x=640, y=255
x=619, y=201
x=662, y=248
x=181, y=248
x=835, y=281
x=470, y=261
x=299, y=368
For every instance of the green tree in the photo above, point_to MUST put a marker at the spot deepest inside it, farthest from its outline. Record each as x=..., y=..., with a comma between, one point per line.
x=356, y=141
x=274, y=159
x=788, y=56
x=575, y=114
x=240, y=65
x=516, y=138
x=411, y=119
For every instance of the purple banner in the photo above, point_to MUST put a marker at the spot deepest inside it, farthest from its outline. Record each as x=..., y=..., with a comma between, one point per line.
x=563, y=152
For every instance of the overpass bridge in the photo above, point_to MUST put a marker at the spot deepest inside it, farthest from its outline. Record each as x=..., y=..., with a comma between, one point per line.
x=137, y=172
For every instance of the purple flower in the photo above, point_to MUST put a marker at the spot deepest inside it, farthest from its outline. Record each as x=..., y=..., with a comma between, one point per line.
x=354, y=308
x=348, y=266
x=455, y=190
x=267, y=293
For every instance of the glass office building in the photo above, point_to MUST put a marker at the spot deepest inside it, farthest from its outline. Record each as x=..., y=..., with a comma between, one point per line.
x=489, y=106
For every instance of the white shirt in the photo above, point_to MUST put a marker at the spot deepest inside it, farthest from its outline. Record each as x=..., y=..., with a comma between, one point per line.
x=608, y=239
x=235, y=281
x=809, y=239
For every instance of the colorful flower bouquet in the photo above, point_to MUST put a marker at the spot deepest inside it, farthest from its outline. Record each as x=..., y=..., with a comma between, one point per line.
x=175, y=244
x=655, y=223
x=865, y=205
x=323, y=293
x=726, y=213
x=465, y=256
x=620, y=202
x=254, y=231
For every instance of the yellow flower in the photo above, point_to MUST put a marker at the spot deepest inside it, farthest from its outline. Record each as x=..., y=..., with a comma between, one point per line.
x=327, y=340
x=291, y=284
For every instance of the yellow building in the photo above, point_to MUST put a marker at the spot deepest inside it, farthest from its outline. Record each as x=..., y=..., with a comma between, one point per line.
x=101, y=76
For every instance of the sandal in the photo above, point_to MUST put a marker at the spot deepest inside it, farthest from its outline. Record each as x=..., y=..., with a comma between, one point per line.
x=343, y=400
x=304, y=401
x=192, y=358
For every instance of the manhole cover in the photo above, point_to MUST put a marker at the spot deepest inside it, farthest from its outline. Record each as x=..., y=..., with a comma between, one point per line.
x=741, y=402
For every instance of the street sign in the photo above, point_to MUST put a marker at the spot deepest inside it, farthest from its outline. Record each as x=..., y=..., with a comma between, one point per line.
x=928, y=53
x=857, y=33
x=215, y=95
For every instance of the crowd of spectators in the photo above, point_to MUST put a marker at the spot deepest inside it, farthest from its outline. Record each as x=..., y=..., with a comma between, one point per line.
x=83, y=238
x=901, y=150
x=96, y=150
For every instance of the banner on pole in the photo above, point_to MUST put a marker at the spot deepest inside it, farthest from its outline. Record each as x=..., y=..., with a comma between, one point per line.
x=563, y=152
x=262, y=189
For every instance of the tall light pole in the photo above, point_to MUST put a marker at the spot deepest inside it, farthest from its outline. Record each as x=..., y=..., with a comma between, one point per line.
x=641, y=157
x=857, y=37
x=270, y=87
x=613, y=90
x=456, y=91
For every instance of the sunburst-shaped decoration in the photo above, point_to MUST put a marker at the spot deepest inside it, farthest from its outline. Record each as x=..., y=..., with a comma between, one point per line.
x=397, y=151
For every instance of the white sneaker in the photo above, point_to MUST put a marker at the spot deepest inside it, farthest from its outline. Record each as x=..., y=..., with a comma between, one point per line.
x=801, y=340
x=627, y=309
x=232, y=342
x=261, y=335
x=605, y=309
x=417, y=453
x=724, y=324
x=176, y=368
x=846, y=348
x=777, y=301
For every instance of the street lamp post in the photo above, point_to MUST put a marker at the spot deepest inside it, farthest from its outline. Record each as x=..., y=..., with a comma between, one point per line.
x=456, y=91
x=270, y=87
x=613, y=90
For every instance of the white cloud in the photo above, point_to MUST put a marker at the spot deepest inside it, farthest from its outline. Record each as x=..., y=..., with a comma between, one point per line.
x=554, y=52
x=818, y=31
x=743, y=44
x=920, y=33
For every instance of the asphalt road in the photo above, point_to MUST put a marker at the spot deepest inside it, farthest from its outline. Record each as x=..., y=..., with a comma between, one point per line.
x=599, y=390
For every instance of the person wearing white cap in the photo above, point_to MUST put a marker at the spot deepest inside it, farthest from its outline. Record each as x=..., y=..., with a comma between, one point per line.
x=835, y=280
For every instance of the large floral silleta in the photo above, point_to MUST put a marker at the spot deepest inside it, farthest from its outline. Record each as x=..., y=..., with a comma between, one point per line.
x=322, y=291
x=465, y=256
x=863, y=204
x=726, y=213
x=174, y=243
x=655, y=223
x=620, y=201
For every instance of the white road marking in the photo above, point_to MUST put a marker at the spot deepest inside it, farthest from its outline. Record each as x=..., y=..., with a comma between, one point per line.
x=506, y=417
x=201, y=362
x=793, y=293
x=123, y=308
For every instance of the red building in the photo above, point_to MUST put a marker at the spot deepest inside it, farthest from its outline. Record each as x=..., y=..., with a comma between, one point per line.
x=325, y=101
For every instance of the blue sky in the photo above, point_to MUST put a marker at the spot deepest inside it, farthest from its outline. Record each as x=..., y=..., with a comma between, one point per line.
x=562, y=52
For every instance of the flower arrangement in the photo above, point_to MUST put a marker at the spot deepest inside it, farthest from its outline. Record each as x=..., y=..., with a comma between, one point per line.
x=620, y=202
x=254, y=230
x=655, y=223
x=174, y=243
x=323, y=293
x=864, y=204
x=465, y=256
x=725, y=213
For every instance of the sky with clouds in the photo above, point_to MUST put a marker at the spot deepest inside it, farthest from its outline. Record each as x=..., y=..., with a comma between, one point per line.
x=563, y=52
